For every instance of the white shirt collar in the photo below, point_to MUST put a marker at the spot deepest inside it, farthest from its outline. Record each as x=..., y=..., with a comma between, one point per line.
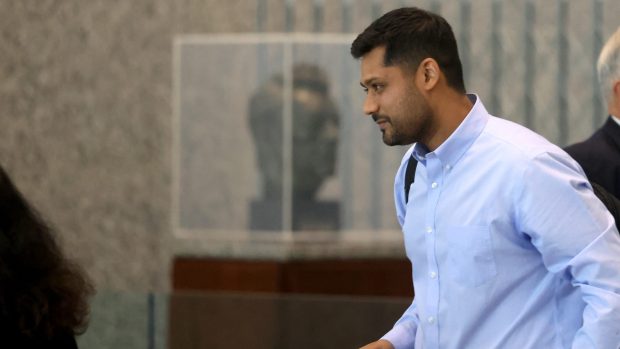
x=616, y=119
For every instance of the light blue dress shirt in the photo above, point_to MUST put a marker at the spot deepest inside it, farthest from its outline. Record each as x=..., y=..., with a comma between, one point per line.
x=509, y=245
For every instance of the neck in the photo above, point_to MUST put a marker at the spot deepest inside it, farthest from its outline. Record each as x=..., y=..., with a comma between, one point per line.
x=613, y=108
x=449, y=110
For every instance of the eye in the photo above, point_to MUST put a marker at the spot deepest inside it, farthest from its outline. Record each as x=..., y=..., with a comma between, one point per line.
x=377, y=87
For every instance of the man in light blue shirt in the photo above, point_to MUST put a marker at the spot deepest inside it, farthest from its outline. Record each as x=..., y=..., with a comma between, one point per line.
x=509, y=245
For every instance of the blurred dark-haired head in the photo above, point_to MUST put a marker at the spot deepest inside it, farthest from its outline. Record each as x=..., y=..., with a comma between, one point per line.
x=42, y=293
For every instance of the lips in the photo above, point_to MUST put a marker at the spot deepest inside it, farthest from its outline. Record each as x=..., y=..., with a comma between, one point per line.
x=381, y=122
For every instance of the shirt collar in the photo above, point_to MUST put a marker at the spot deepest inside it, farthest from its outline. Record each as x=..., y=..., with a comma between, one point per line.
x=616, y=119
x=451, y=150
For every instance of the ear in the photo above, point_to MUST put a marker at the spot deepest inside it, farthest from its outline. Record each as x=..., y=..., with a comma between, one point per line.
x=427, y=75
x=615, y=88
x=613, y=103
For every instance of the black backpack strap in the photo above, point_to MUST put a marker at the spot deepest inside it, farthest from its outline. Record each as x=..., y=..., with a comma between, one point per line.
x=410, y=175
x=609, y=200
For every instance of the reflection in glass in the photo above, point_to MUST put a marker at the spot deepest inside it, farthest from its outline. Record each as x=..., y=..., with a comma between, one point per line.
x=314, y=147
x=268, y=136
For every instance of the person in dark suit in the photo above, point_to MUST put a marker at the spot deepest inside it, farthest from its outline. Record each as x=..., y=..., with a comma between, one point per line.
x=599, y=155
x=43, y=294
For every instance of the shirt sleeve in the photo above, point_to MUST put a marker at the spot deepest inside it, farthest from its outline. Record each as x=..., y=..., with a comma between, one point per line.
x=402, y=335
x=577, y=237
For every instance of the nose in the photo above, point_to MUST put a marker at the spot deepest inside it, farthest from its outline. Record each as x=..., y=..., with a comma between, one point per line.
x=370, y=105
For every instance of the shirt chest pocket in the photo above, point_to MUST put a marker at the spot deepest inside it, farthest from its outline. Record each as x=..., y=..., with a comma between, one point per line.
x=471, y=261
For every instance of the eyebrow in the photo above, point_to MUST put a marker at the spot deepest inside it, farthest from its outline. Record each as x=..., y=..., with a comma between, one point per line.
x=368, y=82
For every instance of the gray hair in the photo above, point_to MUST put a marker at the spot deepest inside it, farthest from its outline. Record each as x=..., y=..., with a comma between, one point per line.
x=608, y=66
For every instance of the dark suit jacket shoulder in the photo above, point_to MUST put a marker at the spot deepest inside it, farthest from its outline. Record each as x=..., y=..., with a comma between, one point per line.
x=599, y=156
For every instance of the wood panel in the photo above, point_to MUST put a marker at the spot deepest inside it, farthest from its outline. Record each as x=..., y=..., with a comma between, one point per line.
x=226, y=275
x=274, y=321
x=370, y=277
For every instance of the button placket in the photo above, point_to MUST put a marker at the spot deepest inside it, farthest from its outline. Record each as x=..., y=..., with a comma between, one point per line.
x=434, y=177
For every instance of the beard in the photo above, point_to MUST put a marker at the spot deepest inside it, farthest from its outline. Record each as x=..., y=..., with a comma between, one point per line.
x=413, y=123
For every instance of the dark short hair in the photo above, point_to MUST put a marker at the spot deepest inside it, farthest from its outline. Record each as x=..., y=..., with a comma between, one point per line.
x=411, y=35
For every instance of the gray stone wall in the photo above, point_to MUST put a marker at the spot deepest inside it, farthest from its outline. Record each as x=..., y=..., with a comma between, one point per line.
x=85, y=110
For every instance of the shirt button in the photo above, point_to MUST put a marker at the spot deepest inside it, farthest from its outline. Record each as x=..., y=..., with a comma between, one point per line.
x=448, y=167
x=434, y=185
x=429, y=230
x=431, y=320
x=432, y=274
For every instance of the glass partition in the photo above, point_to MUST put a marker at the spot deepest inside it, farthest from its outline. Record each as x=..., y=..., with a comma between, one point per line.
x=127, y=320
x=229, y=320
x=270, y=136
